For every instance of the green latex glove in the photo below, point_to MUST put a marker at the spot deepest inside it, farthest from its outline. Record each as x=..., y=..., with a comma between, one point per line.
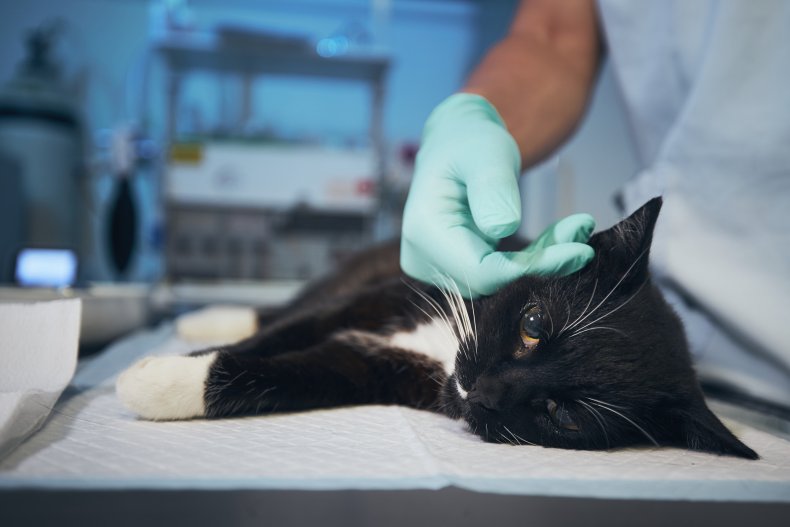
x=464, y=197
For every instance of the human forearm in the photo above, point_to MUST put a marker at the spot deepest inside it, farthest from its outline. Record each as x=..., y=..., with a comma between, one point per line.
x=540, y=77
x=464, y=195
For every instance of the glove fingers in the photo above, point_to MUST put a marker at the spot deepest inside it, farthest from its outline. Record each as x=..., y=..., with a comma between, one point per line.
x=573, y=228
x=496, y=269
x=560, y=259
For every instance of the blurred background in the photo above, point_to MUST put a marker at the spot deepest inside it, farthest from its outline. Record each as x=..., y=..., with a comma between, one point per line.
x=157, y=155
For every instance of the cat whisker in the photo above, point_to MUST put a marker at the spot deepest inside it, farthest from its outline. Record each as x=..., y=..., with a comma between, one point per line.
x=517, y=438
x=598, y=417
x=511, y=434
x=461, y=306
x=567, y=318
x=644, y=432
x=612, y=311
x=584, y=311
x=449, y=289
x=525, y=441
x=442, y=317
x=459, y=299
x=458, y=330
x=437, y=308
x=431, y=302
x=453, y=310
x=625, y=274
x=505, y=439
x=593, y=400
x=474, y=317
x=579, y=332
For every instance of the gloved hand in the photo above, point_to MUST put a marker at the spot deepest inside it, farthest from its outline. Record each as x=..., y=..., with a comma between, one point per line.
x=464, y=197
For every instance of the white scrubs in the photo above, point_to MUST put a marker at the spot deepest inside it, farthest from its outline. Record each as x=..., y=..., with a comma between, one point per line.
x=706, y=84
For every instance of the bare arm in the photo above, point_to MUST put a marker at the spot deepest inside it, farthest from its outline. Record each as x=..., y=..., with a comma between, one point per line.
x=541, y=75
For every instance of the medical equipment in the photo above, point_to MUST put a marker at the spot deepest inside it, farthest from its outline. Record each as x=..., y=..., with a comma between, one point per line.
x=242, y=207
x=41, y=142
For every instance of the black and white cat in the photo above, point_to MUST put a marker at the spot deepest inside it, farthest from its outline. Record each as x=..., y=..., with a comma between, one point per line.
x=593, y=360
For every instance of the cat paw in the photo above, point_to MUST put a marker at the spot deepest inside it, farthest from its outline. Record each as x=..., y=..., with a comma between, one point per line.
x=166, y=388
x=217, y=324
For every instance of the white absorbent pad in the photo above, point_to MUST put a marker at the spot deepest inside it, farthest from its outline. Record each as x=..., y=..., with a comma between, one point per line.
x=91, y=441
x=38, y=354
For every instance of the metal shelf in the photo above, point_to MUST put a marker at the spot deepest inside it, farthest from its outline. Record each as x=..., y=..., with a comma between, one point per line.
x=260, y=56
x=253, y=55
x=214, y=53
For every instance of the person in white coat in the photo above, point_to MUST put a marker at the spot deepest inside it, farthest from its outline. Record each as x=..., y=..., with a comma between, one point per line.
x=706, y=85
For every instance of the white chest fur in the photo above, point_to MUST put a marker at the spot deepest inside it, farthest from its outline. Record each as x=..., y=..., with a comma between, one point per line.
x=431, y=338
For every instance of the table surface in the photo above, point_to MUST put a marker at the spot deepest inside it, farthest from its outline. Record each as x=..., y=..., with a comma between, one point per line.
x=92, y=442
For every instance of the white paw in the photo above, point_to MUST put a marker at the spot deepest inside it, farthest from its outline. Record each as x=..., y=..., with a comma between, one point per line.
x=166, y=388
x=218, y=324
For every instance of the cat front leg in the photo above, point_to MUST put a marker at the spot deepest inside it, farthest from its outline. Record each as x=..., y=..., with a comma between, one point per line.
x=350, y=368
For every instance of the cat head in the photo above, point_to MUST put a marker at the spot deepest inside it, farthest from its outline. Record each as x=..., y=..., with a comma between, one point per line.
x=593, y=360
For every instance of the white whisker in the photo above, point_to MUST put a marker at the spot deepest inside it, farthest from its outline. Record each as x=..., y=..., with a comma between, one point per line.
x=460, y=330
x=448, y=295
x=504, y=438
x=612, y=311
x=598, y=417
x=592, y=399
x=627, y=419
x=459, y=300
x=627, y=271
x=567, y=317
x=474, y=318
x=519, y=440
x=595, y=287
x=458, y=307
x=511, y=434
x=582, y=330
x=443, y=318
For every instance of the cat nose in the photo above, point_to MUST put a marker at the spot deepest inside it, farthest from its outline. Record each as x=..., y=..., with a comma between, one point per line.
x=486, y=392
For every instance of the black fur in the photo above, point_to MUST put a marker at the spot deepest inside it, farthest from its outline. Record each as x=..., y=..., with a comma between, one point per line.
x=612, y=367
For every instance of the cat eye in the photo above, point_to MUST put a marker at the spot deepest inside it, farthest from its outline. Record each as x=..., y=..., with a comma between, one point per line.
x=531, y=330
x=559, y=415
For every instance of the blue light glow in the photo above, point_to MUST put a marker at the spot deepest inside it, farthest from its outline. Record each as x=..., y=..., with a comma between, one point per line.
x=46, y=267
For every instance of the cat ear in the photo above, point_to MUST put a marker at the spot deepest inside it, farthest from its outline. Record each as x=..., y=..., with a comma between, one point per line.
x=624, y=248
x=701, y=430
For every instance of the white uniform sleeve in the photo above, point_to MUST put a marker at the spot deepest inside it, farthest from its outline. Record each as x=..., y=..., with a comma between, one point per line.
x=724, y=169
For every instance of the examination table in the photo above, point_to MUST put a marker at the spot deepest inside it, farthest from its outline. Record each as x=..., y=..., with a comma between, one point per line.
x=94, y=462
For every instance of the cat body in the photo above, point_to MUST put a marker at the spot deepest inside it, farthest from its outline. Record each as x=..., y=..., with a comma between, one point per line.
x=593, y=360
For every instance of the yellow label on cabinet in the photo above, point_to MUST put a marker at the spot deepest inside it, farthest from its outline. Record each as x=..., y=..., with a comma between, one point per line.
x=187, y=153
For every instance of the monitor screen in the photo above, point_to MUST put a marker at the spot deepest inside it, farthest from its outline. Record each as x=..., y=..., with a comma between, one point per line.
x=46, y=267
